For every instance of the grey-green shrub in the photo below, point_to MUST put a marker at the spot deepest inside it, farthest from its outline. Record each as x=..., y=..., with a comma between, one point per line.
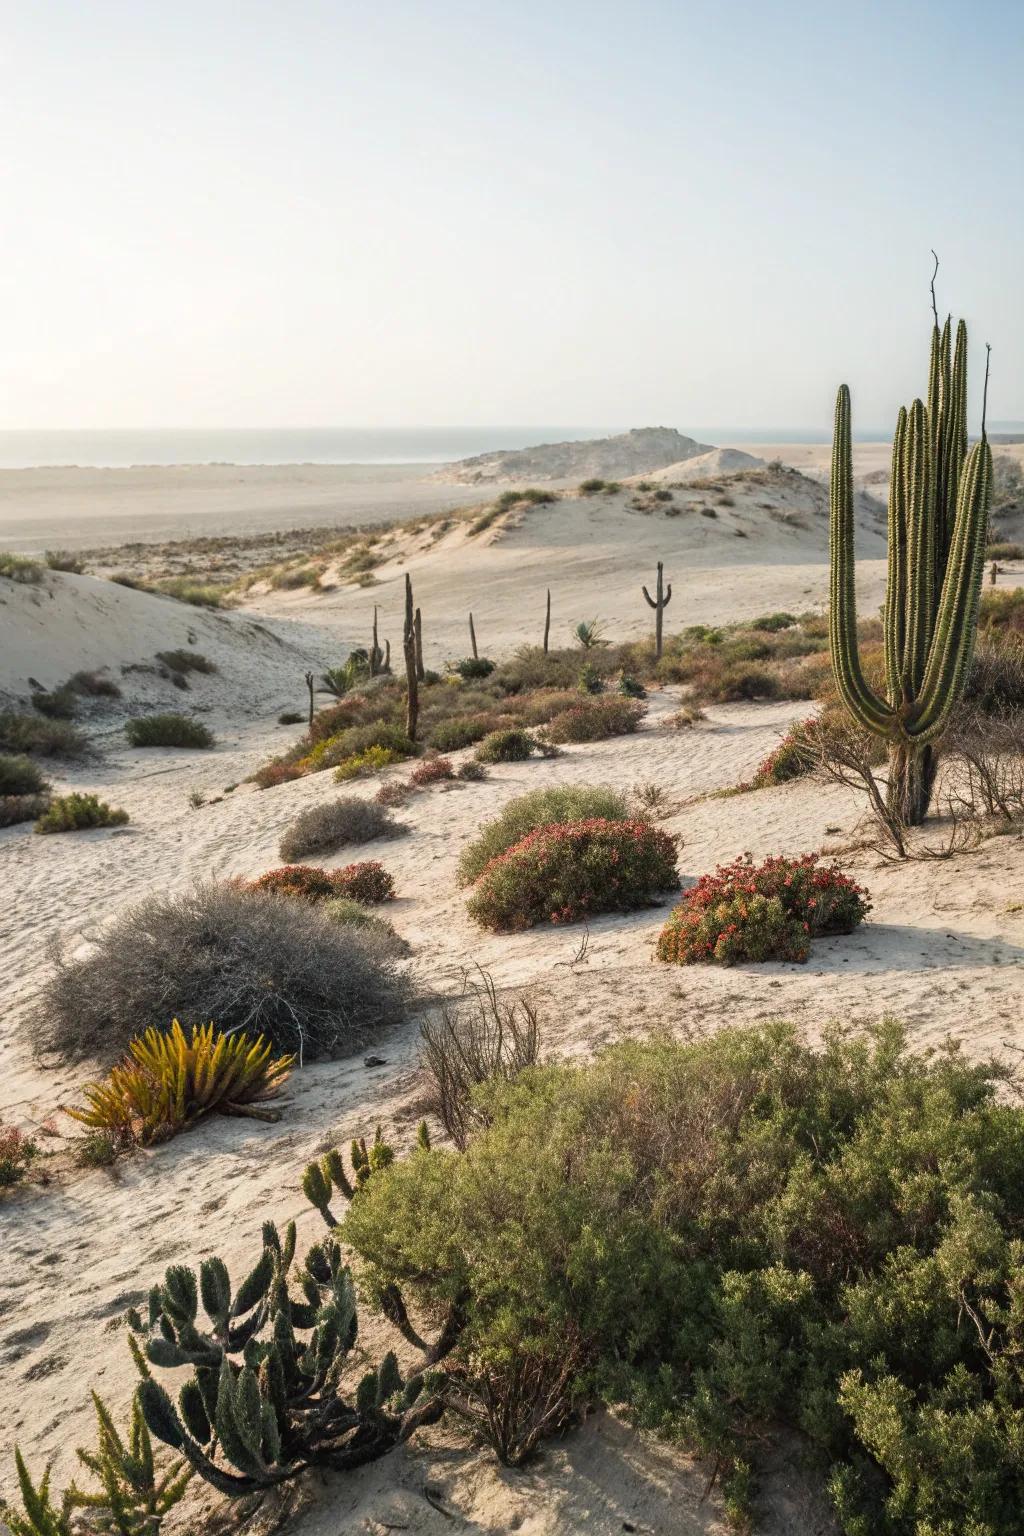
x=323, y=828
x=562, y=803
x=20, y=776
x=32, y=733
x=168, y=731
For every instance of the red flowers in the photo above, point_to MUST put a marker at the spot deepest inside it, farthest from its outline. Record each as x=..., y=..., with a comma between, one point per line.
x=368, y=882
x=561, y=873
x=764, y=912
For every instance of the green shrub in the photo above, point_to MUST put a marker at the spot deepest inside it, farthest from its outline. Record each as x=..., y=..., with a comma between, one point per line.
x=471, y=772
x=168, y=731
x=590, y=680
x=355, y=740
x=349, y=913
x=64, y=560
x=771, y=622
x=748, y=1237
x=186, y=661
x=562, y=873
x=56, y=703
x=185, y=590
x=463, y=731
x=630, y=688
x=562, y=803
x=595, y=720
x=1005, y=552
x=507, y=746
x=76, y=812
x=20, y=776
x=49, y=738
x=93, y=685
x=16, y=809
x=472, y=667
x=19, y=568
x=364, y=764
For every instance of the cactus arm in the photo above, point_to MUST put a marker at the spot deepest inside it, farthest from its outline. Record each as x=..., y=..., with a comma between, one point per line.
x=919, y=492
x=896, y=584
x=957, y=619
x=668, y=596
x=649, y=598
x=862, y=702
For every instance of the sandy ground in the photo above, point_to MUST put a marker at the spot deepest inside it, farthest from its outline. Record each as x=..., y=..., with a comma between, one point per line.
x=942, y=950
x=81, y=508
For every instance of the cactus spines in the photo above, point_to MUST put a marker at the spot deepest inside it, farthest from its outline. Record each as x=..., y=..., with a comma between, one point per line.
x=659, y=603
x=939, y=497
x=412, y=710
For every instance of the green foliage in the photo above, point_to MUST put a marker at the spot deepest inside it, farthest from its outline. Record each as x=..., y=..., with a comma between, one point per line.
x=511, y=745
x=363, y=765
x=19, y=568
x=47, y=738
x=267, y=1396
x=631, y=688
x=596, y=720
x=55, y=703
x=93, y=685
x=540, y=808
x=16, y=809
x=741, y=1234
x=472, y=667
x=64, y=560
x=1005, y=551
x=133, y=1496
x=590, y=679
x=463, y=731
x=76, y=813
x=354, y=741
x=168, y=731
x=565, y=873
x=771, y=623
x=589, y=634
x=185, y=590
x=186, y=661
x=20, y=776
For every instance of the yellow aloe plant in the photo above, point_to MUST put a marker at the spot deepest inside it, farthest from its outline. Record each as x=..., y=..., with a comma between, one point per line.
x=168, y=1080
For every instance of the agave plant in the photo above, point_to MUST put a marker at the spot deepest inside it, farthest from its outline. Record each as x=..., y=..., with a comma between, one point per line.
x=133, y=1496
x=338, y=680
x=169, y=1080
x=589, y=633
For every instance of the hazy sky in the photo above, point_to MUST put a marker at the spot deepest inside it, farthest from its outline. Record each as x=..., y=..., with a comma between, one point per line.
x=395, y=212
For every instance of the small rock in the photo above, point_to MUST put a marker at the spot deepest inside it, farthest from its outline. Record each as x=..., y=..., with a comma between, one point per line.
x=374, y=1061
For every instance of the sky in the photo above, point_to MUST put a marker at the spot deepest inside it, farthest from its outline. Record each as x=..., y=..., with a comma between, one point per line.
x=298, y=213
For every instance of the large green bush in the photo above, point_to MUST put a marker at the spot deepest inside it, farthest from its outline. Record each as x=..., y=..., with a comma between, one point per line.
x=742, y=1235
x=168, y=731
x=561, y=803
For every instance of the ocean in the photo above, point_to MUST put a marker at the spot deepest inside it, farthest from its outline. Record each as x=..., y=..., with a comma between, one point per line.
x=119, y=449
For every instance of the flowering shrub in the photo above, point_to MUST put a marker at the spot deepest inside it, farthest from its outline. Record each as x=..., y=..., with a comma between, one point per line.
x=431, y=771
x=280, y=770
x=562, y=873
x=358, y=741
x=366, y=882
x=363, y=764
x=394, y=792
x=769, y=911
x=16, y=1152
x=595, y=719
x=461, y=731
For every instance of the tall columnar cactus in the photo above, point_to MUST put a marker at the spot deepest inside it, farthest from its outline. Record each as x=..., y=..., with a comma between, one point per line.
x=659, y=603
x=412, y=709
x=547, y=623
x=939, y=497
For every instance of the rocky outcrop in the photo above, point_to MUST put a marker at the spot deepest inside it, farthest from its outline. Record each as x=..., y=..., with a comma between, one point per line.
x=637, y=452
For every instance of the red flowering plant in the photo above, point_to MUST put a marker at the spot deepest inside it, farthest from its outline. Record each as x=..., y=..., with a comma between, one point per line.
x=769, y=911
x=368, y=882
x=561, y=873
x=431, y=771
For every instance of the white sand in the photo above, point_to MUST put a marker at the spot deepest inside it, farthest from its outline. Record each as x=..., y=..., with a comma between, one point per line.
x=942, y=950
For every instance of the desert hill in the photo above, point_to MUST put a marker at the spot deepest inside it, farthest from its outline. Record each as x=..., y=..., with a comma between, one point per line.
x=717, y=461
x=716, y=537
x=636, y=452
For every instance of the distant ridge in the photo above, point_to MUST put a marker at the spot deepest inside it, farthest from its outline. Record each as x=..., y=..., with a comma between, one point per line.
x=637, y=452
